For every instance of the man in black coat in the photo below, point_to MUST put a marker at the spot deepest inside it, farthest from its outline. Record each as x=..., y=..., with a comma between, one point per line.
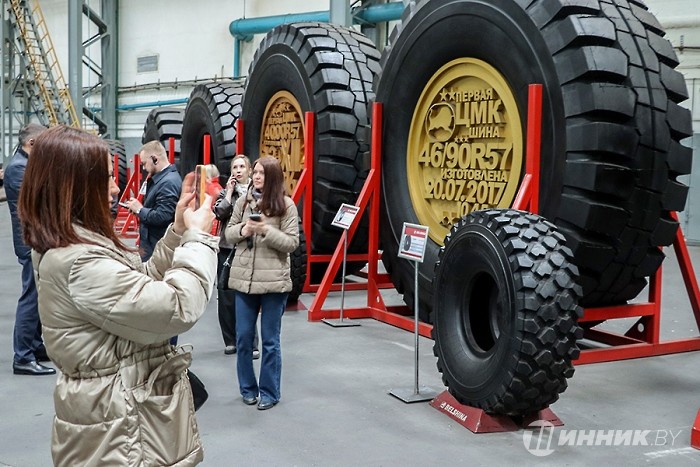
x=162, y=192
x=28, y=344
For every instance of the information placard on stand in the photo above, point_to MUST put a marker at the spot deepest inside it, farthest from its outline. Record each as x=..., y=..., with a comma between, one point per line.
x=412, y=248
x=343, y=219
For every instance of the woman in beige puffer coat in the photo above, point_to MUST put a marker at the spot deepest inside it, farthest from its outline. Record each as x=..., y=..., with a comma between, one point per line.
x=122, y=395
x=261, y=278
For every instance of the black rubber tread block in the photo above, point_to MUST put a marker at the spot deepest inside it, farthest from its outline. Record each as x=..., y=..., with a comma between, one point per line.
x=597, y=99
x=679, y=121
x=674, y=196
x=593, y=216
x=640, y=12
x=330, y=195
x=664, y=50
x=600, y=136
x=580, y=30
x=591, y=62
x=679, y=159
x=674, y=82
x=652, y=260
x=594, y=254
x=665, y=232
x=335, y=171
x=614, y=180
x=542, y=13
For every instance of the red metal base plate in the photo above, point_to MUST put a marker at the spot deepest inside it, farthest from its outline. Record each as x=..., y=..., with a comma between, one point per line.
x=695, y=433
x=478, y=421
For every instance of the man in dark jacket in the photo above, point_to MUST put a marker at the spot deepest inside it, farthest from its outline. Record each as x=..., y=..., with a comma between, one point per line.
x=162, y=191
x=28, y=345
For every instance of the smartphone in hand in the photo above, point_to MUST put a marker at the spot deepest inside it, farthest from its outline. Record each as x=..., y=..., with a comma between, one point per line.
x=255, y=217
x=200, y=185
x=124, y=205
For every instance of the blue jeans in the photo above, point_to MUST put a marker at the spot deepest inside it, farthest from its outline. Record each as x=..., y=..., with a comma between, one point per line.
x=271, y=306
x=27, y=333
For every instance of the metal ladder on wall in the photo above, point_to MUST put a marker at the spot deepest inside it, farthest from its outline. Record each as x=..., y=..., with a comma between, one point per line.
x=51, y=97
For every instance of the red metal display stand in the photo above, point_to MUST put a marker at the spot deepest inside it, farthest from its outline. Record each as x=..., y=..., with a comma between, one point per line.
x=400, y=316
x=642, y=338
x=478, y=421
x=695, y=433
x=126, y=223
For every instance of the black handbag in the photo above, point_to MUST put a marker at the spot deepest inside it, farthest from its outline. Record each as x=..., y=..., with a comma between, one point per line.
x=199, y=392
x=225, y=273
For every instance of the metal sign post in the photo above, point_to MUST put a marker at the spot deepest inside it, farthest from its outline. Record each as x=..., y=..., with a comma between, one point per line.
x=412, y=247
x=343, y=219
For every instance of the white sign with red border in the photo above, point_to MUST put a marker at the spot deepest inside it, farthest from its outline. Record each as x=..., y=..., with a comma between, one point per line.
x=345, y=216
x=413, y=240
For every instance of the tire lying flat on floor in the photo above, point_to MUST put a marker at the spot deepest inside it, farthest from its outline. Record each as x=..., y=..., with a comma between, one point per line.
x=612, y=126
x=506, y=331
x=321, y=68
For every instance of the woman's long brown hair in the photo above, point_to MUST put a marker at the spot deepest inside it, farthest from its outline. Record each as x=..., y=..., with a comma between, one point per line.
x=272, y=202
x=66, y=183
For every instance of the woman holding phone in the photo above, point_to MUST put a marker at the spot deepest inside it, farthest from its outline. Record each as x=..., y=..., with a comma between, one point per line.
x=265, y=230
x=122, y=396
x=236, y=186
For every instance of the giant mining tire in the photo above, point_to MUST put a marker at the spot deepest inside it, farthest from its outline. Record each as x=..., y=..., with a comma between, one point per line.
x=611, y=128
x=329, y=70
x=506, y=332
x=162, y=124
x=213, y=108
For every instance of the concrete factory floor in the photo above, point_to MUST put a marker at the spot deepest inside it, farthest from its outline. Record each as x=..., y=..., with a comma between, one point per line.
x=335, y=410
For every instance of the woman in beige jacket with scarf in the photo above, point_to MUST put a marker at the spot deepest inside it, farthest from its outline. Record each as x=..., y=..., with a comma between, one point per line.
x=260, y=276
x=122, y=395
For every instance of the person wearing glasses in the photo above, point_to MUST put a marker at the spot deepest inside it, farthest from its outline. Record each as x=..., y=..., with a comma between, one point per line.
x=122, y=396
x=162, y=190
x=28, y=345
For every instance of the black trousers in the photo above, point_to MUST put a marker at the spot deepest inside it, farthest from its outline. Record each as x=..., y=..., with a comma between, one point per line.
x=226, y=306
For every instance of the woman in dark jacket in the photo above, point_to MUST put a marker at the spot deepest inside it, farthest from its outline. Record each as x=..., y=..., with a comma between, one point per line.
x=260, y=275
x=236, y=187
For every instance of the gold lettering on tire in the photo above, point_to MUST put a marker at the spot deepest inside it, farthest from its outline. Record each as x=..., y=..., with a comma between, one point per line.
x=282, y=136
x=465, y=145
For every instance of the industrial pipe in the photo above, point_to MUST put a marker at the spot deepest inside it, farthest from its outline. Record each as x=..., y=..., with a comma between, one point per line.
x=243, y=29
x=142, y=105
